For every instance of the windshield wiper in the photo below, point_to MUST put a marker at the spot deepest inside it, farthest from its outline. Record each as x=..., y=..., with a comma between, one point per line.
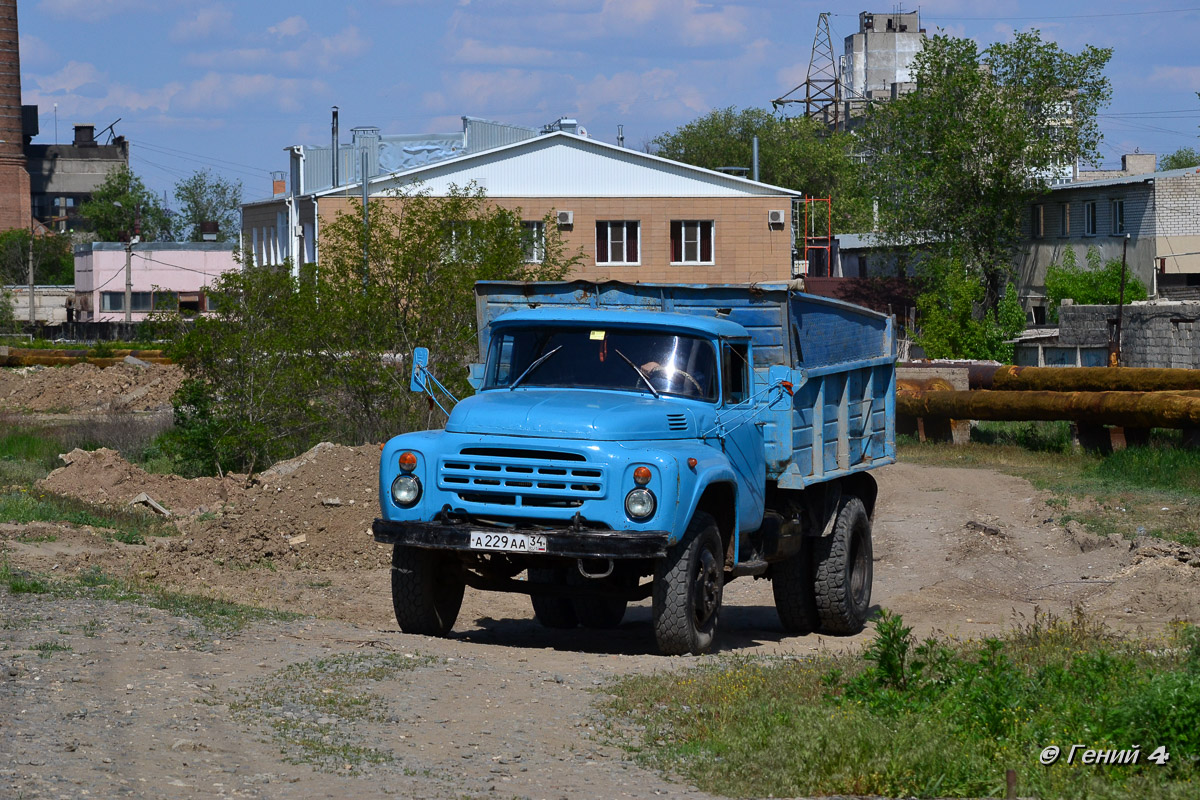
x=638, y=370
x=531, y=367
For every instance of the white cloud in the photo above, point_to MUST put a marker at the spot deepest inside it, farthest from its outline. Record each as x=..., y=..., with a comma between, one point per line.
x=1185, y=78
x=82, y=91
x=473, y=51
x=490, y=92
x=222, y=91
x=660, y=88
x=205, y=22
x=35, y=51
x=314, y=53
x=92, y=10
x=292, y=26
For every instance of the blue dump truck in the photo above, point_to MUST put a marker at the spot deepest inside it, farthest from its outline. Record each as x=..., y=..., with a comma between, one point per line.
x=628, y=441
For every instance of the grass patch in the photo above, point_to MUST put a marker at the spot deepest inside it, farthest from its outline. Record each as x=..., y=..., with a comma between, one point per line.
x=48, y=649
x=939, y=718
x=29, y=451
x=313, y=708
x=124, y=525
x=1152, y=490
x=215, y=614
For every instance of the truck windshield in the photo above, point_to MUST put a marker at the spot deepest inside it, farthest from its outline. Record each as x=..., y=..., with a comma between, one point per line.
x=603, y=358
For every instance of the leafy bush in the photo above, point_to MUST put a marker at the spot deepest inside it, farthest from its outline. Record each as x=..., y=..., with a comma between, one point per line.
x=1097, y=284
x=953, y=320
x=286, y=361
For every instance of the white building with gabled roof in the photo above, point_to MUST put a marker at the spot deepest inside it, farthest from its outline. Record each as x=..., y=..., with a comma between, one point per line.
x=633, y=215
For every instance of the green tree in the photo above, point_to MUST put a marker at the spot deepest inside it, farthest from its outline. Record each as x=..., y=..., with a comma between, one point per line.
x=953, y=320
x=954, y=163
x=797, y=153
x=205, y=197
x=122, y=207
x=53, y=261
x=1182, y=158
x=1097, y=284
x=284, y=362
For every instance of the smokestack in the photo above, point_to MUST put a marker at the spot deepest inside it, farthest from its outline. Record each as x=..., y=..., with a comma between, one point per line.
x=335, y=146
x=754, y=156
x=620, y=136
x=15, y=211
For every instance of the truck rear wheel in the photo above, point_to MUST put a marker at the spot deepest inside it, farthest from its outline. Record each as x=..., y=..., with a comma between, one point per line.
x=842, y=576
x=688, y=584
x=427, y=590
x=553, y=611
x=792, y=585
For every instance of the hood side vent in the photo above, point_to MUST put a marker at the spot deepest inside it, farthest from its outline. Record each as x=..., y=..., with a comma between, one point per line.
x=677, y=422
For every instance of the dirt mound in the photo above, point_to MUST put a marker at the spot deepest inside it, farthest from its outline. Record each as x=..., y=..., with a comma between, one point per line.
x=86, y=387
x=311, y=512
x=102, y=476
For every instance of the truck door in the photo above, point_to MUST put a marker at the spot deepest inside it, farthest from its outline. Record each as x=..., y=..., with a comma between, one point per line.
x=743, y=442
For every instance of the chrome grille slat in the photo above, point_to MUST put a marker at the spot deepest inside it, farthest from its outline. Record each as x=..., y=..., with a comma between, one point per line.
x=523, y=477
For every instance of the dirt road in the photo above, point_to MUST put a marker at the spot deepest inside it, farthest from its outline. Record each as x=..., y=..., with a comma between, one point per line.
x=110, y=699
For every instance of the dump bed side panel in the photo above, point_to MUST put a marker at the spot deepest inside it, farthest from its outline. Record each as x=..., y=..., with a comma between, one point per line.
x=843, y=415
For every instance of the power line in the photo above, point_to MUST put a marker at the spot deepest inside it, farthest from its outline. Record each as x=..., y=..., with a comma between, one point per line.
x=185, y=154
x=1055, y=16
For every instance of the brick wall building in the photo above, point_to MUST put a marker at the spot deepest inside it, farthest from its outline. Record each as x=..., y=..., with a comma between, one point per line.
x=1159, y=212
x=14, y=180
x=634, y=216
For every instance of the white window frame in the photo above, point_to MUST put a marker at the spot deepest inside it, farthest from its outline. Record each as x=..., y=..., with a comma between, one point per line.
x=1089, y=218
x=621, y=226
x=112, y=302
x=533, y=246
x=1118, y=216
x=695, y=226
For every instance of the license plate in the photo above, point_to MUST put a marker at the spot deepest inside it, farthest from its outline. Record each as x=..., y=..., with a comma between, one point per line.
x=508, y=542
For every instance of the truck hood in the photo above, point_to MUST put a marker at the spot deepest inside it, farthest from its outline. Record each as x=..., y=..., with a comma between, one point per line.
x=573, y=414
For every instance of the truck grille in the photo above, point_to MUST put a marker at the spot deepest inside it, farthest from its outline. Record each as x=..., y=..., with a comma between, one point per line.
x=518, y=477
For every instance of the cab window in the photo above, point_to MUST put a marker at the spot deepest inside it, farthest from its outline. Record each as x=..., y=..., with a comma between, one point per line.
x=735, y=373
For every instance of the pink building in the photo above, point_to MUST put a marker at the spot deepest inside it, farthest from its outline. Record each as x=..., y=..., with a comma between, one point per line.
x=166, y=276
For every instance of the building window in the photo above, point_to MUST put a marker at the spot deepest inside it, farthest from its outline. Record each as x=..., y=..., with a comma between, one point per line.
x=166, y=301
x=533, y=241
x=1118, y=217
x=1038, y=222
x=1089, y=218
x=691, y=241
x=112, y=301
x=139, y=301
x=618, y=243
x=1064, y=219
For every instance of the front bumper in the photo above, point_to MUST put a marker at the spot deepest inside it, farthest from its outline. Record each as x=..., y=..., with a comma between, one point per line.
x=559, y=542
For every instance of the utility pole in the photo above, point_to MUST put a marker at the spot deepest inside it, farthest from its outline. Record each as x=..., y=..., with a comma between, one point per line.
x=31, y=285
x=128, y=281
x=1114, y=358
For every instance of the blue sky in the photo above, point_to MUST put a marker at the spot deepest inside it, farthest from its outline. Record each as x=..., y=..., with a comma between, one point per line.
x=227, y=84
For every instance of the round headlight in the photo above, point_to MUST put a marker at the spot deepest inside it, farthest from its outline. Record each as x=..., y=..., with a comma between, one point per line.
x=406, y=490
x=639, y=503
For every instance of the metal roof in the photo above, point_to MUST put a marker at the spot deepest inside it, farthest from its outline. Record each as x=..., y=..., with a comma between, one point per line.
x=609, y=317
x=1145, y=177
x=562, y=164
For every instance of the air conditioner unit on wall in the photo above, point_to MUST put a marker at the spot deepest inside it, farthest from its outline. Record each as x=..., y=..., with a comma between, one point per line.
x=566, y=218
x=776, y=217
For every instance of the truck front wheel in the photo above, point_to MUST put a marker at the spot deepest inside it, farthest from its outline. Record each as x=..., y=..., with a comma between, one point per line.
x=842, y=579
x=427, y=590
x=687, y=590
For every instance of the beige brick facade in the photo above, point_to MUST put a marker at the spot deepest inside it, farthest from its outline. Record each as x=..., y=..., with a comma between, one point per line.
x=745, y=248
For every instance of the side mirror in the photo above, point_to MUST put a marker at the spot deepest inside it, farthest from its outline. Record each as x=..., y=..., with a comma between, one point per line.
x=420, y=359
x=475, y=375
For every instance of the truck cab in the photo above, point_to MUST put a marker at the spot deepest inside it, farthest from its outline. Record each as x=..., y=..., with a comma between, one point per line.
x=610, y=454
